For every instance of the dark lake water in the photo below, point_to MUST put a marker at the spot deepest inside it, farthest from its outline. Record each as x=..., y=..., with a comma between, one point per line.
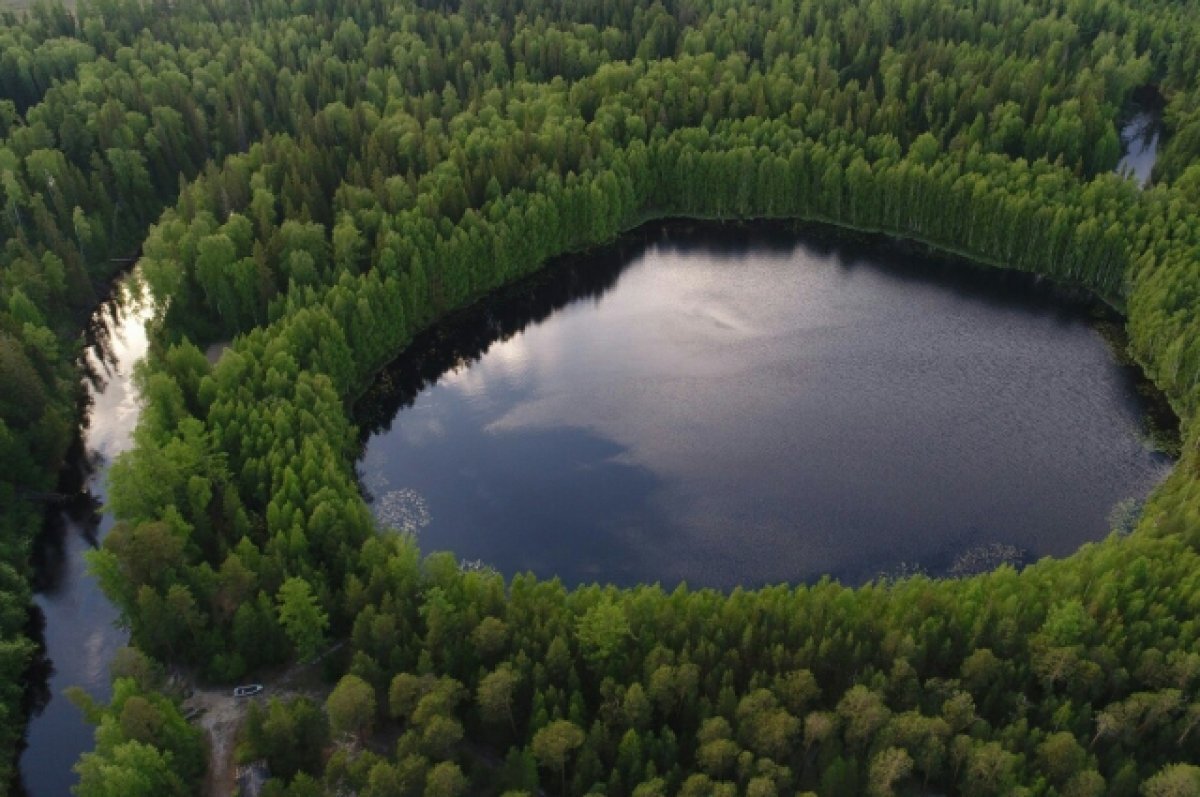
x=729, y=407
x=79, y=632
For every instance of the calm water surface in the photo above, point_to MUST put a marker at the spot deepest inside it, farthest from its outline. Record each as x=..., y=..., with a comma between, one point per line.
x=732, y=407
x=1139, y=140
x=80, y=632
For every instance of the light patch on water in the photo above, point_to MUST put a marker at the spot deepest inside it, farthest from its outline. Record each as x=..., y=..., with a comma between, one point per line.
x=98, y=650
x=404, y=509
x=375, y=482
x=902, y=571
x=123, y=342
x=1125, y=515
x=972, y=561
x=985, y=558
x=476, y=566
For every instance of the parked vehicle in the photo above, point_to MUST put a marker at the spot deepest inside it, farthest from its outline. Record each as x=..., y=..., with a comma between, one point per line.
x=249, y=690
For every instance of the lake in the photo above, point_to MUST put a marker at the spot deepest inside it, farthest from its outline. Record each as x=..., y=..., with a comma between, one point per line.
x=750, y=406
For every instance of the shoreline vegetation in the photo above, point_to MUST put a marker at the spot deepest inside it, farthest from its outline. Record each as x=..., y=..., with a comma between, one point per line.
x=352, y=173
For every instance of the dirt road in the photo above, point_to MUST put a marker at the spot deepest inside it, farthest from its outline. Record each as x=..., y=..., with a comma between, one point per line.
x=221, y=716
x=221, y=720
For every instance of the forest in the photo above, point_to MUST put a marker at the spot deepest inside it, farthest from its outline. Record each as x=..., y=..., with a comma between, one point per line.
x=320, y=180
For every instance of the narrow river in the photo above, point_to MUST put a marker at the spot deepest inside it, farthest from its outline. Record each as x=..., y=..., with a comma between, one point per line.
x=81, y=634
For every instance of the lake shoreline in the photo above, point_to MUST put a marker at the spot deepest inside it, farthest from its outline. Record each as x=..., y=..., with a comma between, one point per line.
x=457, y=344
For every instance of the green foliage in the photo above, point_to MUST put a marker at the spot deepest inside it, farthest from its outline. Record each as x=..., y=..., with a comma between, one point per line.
x=554, y=744
x=495, y=696
x=144, y=747
x=601, y=631
x=301, y=617
x=130, y=769
x=445, y=780
x=1173, y=781
x=290, y=735
x=351, y=706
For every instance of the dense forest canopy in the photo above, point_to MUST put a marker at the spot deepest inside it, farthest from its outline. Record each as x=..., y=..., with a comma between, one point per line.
x=324, y=179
